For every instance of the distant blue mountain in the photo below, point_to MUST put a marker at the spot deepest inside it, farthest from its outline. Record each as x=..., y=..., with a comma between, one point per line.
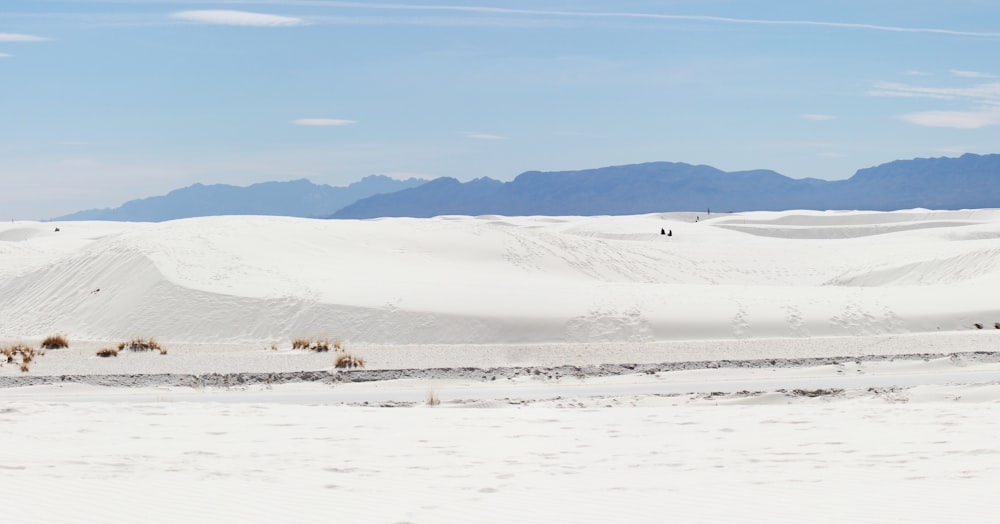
x=299, y=198
x=970, y=181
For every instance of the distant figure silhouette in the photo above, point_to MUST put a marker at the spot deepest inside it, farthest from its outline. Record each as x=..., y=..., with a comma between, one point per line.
x=671, y=233
x=57, y=230
x=662, y=232
x=697, y=219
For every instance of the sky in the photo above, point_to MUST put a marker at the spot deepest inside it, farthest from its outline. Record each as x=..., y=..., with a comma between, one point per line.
x=106, y=101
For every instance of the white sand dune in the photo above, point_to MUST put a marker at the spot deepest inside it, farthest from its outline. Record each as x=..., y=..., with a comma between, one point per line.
x=508, y=304
x=503, y=280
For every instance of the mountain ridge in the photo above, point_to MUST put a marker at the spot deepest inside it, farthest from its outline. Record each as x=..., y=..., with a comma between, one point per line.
x=299, y=198
x=965, y=182
x=969, y=181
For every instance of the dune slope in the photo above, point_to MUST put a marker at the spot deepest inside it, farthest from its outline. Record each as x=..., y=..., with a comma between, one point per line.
x=497, y=280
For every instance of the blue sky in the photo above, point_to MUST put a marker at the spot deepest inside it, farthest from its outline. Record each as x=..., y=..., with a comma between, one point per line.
x=106, y=101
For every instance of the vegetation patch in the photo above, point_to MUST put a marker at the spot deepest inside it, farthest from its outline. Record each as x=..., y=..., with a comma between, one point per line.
x=107, y=352
x=348, y=361
x=142, y=344
x=432, y=399
x=26, y=353
x=319, y=345
x=55, y=342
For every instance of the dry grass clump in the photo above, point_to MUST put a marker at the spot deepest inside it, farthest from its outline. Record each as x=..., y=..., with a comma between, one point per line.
x=319, y=345
x=27, y=354
x=432, y=399
x=349, y=361
x=19, y=349
x=55, y=342
x=142, y=344
x=108, y=352
x=139, y=344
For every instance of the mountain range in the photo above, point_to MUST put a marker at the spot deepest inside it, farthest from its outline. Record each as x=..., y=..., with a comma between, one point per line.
x=970, y=181
x=298, y=198
x=966, y=182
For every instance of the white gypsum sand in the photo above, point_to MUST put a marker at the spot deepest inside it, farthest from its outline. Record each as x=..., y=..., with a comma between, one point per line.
x=503, y=280
x=806, y=366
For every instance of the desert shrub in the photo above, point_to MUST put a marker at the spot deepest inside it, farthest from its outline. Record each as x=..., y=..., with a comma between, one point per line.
x=141, y=344
x=319, y=345
x=432, y=399
x=55, y=342
x=24, y=366
x=978, y=325
x=27, y=353
x=108, y=352
x=996, y=325
x=349, y=361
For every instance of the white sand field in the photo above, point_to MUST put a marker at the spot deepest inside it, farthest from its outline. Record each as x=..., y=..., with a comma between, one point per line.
x=782, y=367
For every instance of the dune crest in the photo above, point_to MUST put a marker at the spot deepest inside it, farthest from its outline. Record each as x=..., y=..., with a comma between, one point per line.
x=496, y=280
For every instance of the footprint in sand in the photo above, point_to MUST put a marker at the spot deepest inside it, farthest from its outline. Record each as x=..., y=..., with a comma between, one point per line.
x=741, y=327
x=795, y=323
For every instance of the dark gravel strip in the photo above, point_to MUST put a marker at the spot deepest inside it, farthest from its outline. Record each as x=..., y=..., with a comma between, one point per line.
x=466, y=373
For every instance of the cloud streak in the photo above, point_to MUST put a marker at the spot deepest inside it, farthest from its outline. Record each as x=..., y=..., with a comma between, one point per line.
x=971, y=74
x=327, y=122
x=984, y=100
x=954, y=119
x=490, y=10
x=227, y=17
x=17, y=37
x=984, y=92
x=238, y=18
x=481, y=136
x=818, y=118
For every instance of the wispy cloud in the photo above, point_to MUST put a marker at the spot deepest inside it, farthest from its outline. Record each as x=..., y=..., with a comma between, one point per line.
x=916, y=72
x=983, y=92
x=240, y=18
x=971, y=74
x=406, y=175
x=501, y=15
x=481, y=136
x=983, y=100
x=491, y=10
x=5, y=55
x=323, y=122
x=831, y=154
x=17, y=37
x=817, y=117
x=954, y=149
x=954, y=119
